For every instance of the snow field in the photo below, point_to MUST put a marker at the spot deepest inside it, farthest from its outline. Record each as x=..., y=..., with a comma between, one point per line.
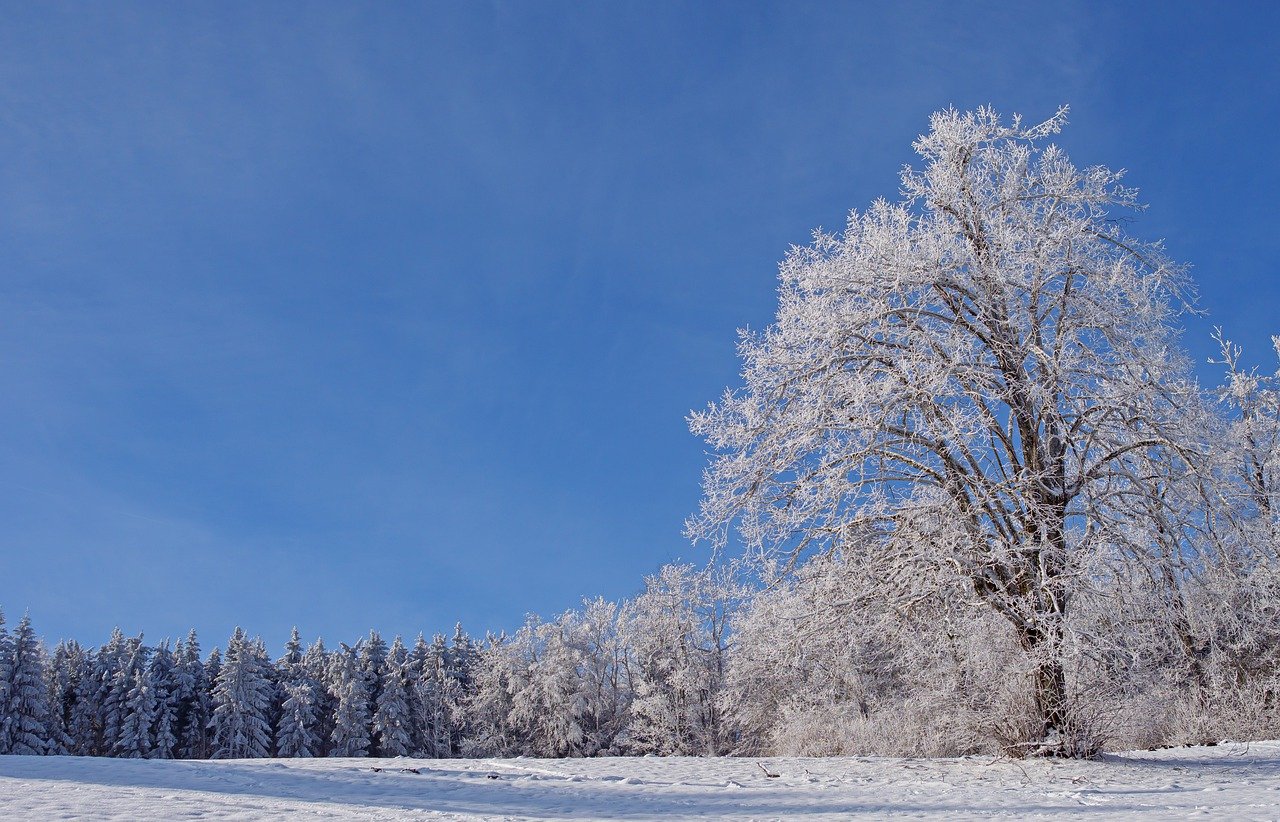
x=1232, y=781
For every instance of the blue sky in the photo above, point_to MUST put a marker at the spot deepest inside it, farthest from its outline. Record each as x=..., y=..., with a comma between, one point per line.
x=390, y=315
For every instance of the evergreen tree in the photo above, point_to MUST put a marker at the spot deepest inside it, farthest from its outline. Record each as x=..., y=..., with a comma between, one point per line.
x=417, y=670
x=113, y=678
x=63, y=678
x=392, y=721
x=456, y=686
x=191, y=698
x=241, y=701
x=292, y=659
x=162, y=674
x=371, y=655
x=351, y=718
x=295, y=734
x=135, y=740
x=315, y=666
x=28, y=707
x=84, y=723
x=297, y=722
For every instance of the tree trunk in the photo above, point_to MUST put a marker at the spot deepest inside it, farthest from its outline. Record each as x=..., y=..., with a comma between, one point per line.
x=1055, y=735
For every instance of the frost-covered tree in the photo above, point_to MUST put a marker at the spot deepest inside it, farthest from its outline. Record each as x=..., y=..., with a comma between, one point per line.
x=295, y=733
x=371, y=655
x=350, y=692
x=66, y=668
x=392, y=718
x=27, y=710
x=297, y=724
x=241, y=702
x=606, y=675
x=315, y=667
x=114, y=667
x=135, y=740
x=417, y=668
x=548, y=707
x=162, y=675
x=499, y=672
x=84, y=723
x=967, y=385
x=437, y=699
x=192, y=695
x=289, y=664
x=677, y=633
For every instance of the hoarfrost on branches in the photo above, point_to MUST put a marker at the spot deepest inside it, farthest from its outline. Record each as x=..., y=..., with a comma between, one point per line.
x=969, y=384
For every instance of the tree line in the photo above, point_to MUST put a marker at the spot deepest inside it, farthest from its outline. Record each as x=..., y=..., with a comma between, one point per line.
x=643, y=677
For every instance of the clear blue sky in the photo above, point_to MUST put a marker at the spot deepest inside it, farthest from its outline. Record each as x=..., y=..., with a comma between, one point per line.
x=390, y=316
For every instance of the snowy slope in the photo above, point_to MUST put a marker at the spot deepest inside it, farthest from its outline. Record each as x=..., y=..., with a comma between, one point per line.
x=1226, y=782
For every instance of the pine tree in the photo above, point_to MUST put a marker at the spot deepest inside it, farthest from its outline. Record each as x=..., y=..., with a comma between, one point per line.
x=456, y=686
x=192, y=697
x=162, y=675
x=351, y=717
x=28, y=707
x=417, y=669
x=295, y=734
x=241, y=701
x=113, y=678
x=297, y=722
x=392, y=722
x=315, y=666
x=292, y=658
x=63, y=678
x=371, y=655
x=84, y=724
x=135, y=740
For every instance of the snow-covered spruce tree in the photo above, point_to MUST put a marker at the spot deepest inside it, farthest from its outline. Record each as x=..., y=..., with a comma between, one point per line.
x=964, y=385
x=391, y=716
x=295, y=731
x=122, y=669
x=162, y=674
x=135, y=740
x=371, y=653
x=288, y=666
x=437, y=699
x=193, y=697
x=241, y=702
x=315, y=666
x=351, y=721
x=297, y=724
x=457, y=684
x=111, y=679
x=66, y=668
x=27, y=710
x=418, y=667
x=84, y=724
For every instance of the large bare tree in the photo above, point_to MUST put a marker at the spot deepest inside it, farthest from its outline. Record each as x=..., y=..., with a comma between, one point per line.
x=970, y=384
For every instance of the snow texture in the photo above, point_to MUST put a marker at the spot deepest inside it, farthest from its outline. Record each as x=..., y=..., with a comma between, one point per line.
x=1230, y=781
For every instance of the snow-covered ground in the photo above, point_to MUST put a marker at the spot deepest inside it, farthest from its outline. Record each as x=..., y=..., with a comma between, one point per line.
x=1235, y=782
